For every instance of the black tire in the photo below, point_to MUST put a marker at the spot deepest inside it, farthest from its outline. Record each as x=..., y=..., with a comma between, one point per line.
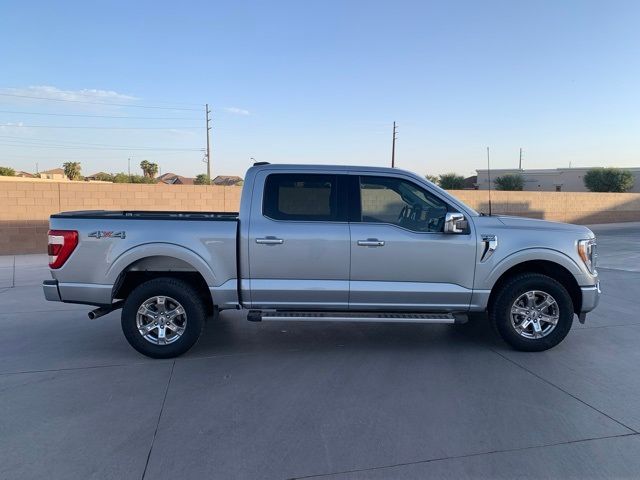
x=500, y=311
x=186, y=295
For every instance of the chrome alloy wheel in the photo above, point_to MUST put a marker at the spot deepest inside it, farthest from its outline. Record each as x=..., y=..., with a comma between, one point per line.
x=161, y=320
x=535, y=314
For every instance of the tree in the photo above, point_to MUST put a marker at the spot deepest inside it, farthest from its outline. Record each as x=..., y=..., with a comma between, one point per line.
x=121, y=178
x=513, y=182
x=608, y=180
x=126, y=178
x=143, y=179
x=104, y=177
x=72, y=170
x=451, y=181
x=432, y=178
x=202, y=179
x=149, y=169
x=7, y=172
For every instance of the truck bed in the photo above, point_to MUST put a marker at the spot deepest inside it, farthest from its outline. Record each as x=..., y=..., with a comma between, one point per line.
x=114, y=241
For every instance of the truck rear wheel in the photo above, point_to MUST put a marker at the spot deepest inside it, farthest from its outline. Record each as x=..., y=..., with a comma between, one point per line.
x=532, y=312
x=163, y=318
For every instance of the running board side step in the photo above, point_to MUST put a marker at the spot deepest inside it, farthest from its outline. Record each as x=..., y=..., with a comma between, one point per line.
x=386, y=317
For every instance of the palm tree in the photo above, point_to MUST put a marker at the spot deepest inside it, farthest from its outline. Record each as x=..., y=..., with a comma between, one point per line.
x=149, y=169
x=72, y=170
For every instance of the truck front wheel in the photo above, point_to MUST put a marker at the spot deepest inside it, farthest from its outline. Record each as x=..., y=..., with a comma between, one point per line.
x=163, y=317
x=532, y=312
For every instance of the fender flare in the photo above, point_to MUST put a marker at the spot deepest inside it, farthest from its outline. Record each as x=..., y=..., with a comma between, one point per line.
x=126, y=258
x=528, y=255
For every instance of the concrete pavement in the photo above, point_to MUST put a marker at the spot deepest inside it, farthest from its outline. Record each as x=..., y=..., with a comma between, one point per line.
x=263, y=401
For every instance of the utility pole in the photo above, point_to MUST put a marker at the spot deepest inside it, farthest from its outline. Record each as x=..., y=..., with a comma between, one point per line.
x=207, y=112
x=393, y=147
x=129, y=167
x=489, y=177
x=520, y=163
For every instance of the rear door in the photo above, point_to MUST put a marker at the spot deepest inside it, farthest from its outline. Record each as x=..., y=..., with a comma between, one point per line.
x=299, y=242
x=400, y=257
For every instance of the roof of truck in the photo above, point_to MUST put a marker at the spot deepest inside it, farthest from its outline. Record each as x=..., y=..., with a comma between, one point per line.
x=301, y=166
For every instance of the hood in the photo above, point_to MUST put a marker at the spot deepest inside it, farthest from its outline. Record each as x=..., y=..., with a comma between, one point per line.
x=522, y=223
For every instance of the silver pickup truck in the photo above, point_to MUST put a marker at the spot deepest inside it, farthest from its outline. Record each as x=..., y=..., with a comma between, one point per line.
x=325, y=243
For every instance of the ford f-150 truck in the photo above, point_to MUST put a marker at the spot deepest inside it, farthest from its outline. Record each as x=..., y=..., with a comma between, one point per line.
x=325, y=243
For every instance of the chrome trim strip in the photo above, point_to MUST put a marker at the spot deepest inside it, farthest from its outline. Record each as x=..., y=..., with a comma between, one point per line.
x=491, y=243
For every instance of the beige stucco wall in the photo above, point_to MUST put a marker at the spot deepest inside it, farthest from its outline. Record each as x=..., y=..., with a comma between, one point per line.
x=571, y=207
x=26, y=205
x=546, y=180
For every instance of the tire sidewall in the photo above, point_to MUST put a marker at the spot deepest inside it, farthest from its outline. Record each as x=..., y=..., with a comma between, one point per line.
x=501, y=311
x=180, y=291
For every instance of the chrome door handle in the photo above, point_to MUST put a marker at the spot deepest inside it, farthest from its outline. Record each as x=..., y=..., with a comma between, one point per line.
x=371, y=242
x=270, y=241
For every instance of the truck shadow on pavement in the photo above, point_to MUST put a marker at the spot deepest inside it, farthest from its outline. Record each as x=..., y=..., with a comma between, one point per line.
x=231, y=334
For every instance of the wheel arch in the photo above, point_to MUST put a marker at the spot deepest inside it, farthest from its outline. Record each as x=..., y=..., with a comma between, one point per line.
x=549, y=268
x=168, y=254
x=161, y=260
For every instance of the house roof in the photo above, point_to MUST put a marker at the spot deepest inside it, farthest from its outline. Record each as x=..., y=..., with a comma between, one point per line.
x=180, y=180
x=470, y=182
x=173, y=179
x=54, y=171
x=165, y=176
x=226, y=180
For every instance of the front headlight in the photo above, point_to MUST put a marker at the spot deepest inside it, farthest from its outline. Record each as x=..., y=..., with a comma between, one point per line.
x=588, y=254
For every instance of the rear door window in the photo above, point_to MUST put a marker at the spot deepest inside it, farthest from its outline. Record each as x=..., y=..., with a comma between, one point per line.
x=301, y=197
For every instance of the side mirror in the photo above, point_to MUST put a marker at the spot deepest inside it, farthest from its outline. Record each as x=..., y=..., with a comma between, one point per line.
x=455, y=222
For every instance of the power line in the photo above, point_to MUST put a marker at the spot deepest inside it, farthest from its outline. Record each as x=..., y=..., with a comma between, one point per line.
x=33, y=97
x=80, y=156
x=100, y=128
x=67, y=147
x=17, y=141
x=96, y=94
x=98, y=116
x=61, y=142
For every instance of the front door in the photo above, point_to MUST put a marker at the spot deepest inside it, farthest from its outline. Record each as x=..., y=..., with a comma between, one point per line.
x=400, y=257
x=299, y=243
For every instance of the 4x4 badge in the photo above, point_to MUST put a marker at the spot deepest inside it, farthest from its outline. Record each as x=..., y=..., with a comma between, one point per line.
x=105, y=234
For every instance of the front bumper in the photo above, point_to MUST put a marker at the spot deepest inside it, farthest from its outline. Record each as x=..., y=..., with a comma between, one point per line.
x=590, y=297
x=51, y=292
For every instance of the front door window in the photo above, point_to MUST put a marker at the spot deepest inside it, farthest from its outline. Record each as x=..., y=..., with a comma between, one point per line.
x=399, y=202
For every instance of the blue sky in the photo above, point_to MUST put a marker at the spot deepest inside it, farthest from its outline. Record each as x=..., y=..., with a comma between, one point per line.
x=321, y=82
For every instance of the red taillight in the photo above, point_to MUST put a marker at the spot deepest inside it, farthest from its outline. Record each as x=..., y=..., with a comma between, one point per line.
x=61, y=245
